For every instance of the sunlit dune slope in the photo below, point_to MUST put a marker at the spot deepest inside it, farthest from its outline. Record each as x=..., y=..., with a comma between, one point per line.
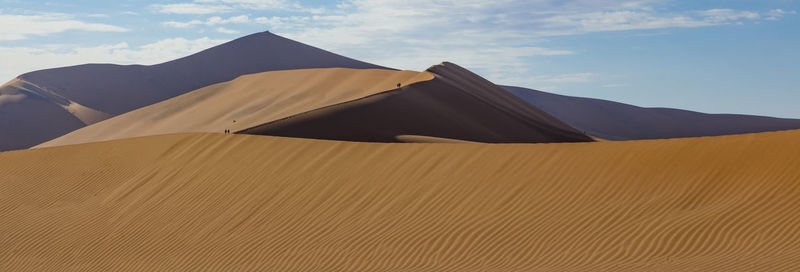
x=245, y=102
x=240, y=202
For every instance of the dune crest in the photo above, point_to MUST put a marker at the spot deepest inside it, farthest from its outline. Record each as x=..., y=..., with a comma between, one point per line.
x=370, y=105
x=455, y=104
x=245, y=102
x=242, y=202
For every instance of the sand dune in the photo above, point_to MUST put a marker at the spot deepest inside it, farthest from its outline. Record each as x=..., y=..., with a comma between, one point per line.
x=343, y=104
x=114, y=89
x=250, y=100
x=618, y=121
x=456, y=104
x=30, y=115
x=243, y=202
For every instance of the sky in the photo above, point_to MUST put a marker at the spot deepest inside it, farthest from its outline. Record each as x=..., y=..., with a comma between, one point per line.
x=731, y=56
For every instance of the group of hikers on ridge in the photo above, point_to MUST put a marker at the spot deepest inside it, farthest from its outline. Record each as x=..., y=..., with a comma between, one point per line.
x=227, y=131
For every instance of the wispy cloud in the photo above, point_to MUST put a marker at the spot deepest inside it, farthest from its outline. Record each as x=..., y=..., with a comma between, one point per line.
x=776, y=14
x=18, y=27
x=212, y=21
x=226, y=30
x=225, y=6
x=191, y=8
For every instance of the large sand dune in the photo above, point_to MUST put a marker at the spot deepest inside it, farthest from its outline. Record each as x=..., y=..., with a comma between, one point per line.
x=456, y=104
x=446, y=101
x=617, y=121
x=250, y=100
x=115, y=89
x=242, y=202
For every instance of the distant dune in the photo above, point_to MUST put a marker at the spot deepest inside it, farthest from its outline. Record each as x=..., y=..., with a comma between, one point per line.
x=114, y=89
x=30, y=115
x=240, y=202
x=445, y=102
x=618, y=121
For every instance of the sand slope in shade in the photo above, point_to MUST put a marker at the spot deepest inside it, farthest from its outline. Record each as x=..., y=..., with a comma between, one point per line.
x=456, y=104
x=249, y=100
x=617, y=121
x=243, y=202
x=30, y=115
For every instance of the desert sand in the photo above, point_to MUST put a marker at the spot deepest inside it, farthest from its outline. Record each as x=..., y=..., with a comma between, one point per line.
x=254, y=203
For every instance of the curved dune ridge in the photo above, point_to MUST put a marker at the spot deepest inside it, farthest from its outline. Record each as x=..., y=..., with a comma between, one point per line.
x=243, y=202
x=245, y=102
x=457, y=104
x=445, y=102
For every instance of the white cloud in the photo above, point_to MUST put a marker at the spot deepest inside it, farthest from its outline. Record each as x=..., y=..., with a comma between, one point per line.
x=776, y=14
x=256, y=4
x=212, y=21
x=18, y=27
x=226, y=30
x=18, y=60
x=191, y=8
x=223, y=6
x=183, y=24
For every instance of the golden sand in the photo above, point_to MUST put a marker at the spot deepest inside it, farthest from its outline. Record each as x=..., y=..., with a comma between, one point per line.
x=238, y=202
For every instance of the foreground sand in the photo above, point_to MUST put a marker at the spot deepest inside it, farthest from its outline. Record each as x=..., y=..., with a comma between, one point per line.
x=239, y=202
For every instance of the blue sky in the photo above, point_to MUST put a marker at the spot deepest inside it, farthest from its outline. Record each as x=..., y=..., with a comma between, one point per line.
x=711, y=56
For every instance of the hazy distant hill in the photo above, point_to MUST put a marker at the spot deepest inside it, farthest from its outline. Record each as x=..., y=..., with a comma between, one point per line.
x=618, y=121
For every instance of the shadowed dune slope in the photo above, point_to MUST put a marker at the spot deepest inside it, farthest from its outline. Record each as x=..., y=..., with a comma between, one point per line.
x=27, y=118
x=456, y=104
x=244, y=202
x=249, y=100
x=115, y=89
x=618, y=121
